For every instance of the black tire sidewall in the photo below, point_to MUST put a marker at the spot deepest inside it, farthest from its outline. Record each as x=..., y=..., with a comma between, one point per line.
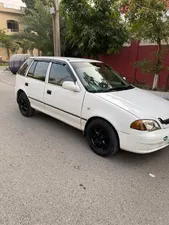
x=29, y=112
x=114, y=141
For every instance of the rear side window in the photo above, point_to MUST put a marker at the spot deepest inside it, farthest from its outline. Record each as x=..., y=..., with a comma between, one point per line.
x=23, y=69
x=38, y=70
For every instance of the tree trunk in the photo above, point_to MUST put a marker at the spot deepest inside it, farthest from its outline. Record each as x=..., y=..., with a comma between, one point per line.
x=8, y=53
x=24, y=51
x=158, y=65
x=31, y=51
x=155, y=82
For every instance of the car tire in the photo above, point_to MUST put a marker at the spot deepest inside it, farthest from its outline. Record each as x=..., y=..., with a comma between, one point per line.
x=102, y=138
x=24, y=105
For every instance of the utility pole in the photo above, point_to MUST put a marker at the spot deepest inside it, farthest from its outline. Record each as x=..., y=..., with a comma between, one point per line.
x=56, y=28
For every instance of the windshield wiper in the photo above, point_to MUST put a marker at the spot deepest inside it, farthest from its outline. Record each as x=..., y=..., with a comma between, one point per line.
x=113, y=89
x=120, y=88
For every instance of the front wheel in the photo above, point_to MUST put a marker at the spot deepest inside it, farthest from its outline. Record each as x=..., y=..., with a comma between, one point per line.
x=24, y=105
x=102, y=138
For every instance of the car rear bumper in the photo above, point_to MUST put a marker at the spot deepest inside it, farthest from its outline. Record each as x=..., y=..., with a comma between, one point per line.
x=144, y=142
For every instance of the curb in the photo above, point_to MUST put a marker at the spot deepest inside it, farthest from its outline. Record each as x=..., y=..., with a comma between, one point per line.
x=6, y=82
x=164, y=95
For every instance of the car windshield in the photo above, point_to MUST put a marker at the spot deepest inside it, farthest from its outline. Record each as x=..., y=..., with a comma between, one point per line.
x=98, y=77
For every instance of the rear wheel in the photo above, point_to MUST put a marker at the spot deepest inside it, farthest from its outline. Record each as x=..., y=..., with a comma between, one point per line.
x=24, y=105
x=102, y=138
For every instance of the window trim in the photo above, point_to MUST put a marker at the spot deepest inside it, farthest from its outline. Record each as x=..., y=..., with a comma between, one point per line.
x=15, y=23
x=36, y=61
x=69, y=68
x=74, y=79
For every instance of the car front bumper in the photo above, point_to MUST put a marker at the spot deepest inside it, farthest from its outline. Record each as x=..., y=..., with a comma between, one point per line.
x=144, y=142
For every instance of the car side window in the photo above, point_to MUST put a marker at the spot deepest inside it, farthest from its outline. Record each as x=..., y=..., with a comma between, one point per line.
x=59, y=73
x=23, y=69
x=38, y=70
x=41, y=70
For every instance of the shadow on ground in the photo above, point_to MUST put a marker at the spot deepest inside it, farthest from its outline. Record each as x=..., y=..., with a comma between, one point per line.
x=129, y=158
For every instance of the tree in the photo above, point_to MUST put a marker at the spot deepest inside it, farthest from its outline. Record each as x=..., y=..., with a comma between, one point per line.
x=24, y=44
x=149, y=20
x=94, y=26
x=7, y=42
x=38, y=28
x=29, y=3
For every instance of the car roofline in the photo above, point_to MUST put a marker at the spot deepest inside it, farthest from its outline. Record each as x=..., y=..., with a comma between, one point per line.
x=65, y=59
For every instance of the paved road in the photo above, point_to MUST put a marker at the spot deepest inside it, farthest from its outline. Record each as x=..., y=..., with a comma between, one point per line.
x=49, y=176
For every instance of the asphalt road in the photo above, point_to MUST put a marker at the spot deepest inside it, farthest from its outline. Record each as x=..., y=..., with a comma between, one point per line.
x=49, y=176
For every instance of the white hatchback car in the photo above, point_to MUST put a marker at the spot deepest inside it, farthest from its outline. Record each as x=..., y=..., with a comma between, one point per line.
x=92, y=97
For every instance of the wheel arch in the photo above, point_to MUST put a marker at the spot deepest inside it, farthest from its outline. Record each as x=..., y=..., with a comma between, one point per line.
x=97, y=117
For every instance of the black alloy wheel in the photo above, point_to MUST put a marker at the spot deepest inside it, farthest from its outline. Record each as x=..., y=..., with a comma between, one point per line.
x=102, y=138
x=24, y=105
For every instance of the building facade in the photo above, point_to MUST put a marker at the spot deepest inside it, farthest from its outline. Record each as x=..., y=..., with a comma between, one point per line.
x=9, y=23
x=10, y=17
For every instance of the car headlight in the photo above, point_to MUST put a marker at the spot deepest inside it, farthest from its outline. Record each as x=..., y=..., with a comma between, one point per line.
x=145, y=125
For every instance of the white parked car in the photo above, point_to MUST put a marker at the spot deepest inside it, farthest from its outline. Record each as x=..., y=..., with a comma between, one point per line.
x=93, y=98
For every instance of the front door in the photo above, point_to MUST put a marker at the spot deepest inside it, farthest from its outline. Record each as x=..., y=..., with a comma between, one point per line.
x=63, y=104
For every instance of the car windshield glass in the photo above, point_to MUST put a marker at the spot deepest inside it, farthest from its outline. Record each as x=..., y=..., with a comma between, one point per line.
x=98, y=77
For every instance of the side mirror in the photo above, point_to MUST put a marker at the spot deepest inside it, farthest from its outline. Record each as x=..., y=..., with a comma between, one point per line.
x=71, y=86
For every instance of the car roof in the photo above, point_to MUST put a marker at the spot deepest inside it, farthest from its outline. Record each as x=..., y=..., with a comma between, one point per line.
x=67, y=59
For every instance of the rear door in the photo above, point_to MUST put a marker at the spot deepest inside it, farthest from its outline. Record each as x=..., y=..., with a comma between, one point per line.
x=35, y=83
x=20, y=77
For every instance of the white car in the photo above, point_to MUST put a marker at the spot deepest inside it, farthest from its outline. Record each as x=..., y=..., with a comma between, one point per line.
x=93, y=98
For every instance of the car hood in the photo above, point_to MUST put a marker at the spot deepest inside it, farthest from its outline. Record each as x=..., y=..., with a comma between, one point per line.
x=141, y=103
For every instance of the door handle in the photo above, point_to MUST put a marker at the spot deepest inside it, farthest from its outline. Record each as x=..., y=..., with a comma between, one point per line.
x=49, y=92
x=26, y=84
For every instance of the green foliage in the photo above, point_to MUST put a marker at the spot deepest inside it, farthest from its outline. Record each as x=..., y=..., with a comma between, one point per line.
x=149, y=20
x=6, y=41
x=87, y=27
x=29, y=3
x=38, y=28
x=24, y=44
x=94, y=26
x=149, y=65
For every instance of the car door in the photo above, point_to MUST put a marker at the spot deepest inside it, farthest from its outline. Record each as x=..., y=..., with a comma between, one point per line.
x=60, y=103
x=35, y=84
